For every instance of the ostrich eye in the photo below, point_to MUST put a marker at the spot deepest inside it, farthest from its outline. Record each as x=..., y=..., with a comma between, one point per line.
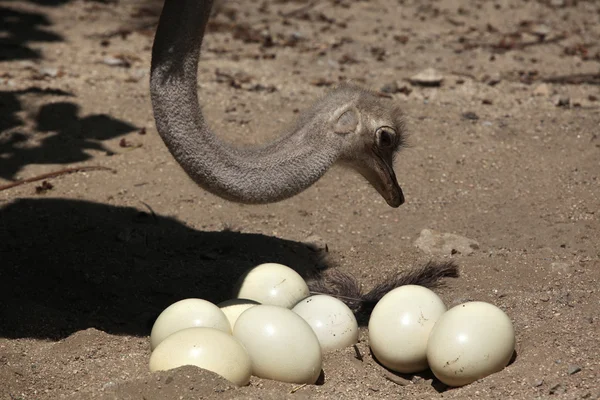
x=385, y=137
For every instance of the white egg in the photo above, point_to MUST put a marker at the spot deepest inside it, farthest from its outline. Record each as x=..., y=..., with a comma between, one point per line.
x=187, y=313
x=282, y=346
x=469, y=342
x=332, y=321
x=233, y=308
x=273, y=284
x=399, y=327
x=206, y=348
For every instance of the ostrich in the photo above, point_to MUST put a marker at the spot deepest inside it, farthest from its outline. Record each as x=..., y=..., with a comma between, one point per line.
x=350, y=126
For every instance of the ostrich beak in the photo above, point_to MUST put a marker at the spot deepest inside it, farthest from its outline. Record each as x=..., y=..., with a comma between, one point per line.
x=388, y=186
x=381, y=176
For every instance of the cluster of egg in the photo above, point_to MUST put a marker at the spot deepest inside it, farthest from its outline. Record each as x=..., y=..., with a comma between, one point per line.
x=275, y=329
x=411, y=330
x=272, y=329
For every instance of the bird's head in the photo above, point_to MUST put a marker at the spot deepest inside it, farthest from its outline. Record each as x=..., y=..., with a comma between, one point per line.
x=372, y=133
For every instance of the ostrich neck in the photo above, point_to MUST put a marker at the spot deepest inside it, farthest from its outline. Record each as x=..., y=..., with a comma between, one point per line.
x=271, y=173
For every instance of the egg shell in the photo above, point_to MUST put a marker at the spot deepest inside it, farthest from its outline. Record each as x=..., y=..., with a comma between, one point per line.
x=282, y=346
x=471, y=341
x=399, y=327
x=272, y=283
x=207, y=348
x=332, y=321
x=233, y=308
x=187, y=313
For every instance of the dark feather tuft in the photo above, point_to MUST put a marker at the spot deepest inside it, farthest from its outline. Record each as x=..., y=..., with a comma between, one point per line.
x=347, y=288
x=336, y=283
x=428, y=275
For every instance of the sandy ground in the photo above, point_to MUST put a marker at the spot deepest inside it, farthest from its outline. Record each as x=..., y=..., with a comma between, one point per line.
x=497, y=155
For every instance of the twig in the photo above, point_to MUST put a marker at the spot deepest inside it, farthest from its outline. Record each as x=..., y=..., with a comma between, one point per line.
x=151, y=211
x=294, y=390
x=54, y=174
x=505, y=45
x=300, y=10
x=575, y=79
x=398, y=380
x=384, y=95
x=357, y=354
x=464, y=75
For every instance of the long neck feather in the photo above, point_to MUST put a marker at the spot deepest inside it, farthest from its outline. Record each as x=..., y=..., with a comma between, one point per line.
x=271, y=173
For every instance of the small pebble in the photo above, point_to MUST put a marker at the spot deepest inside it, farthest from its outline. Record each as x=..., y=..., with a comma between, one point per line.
x=50, y=72
x=557, y=389
x=28, y=65
x=391, y=87
x=137, y=74
x=316, y=243
x=116, y=62
x=561, y=101
x=427, y=77
x=541, y=30
x=494, y=79
x=542, y=90
x=573, y=369
x=470, y=116
x=433, y=242
x=538, y=383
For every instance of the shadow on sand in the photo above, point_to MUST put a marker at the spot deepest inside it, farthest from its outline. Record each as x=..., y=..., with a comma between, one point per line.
x=67, y=265
x=61, y=135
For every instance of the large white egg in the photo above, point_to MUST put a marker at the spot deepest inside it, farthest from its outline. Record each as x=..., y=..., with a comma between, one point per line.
x=233, y=308
x=282, y=346
x=399, y=327
x=332, y=321
x=469, y=342
x=273, y=284
x=187, y=313
x=206, y=348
